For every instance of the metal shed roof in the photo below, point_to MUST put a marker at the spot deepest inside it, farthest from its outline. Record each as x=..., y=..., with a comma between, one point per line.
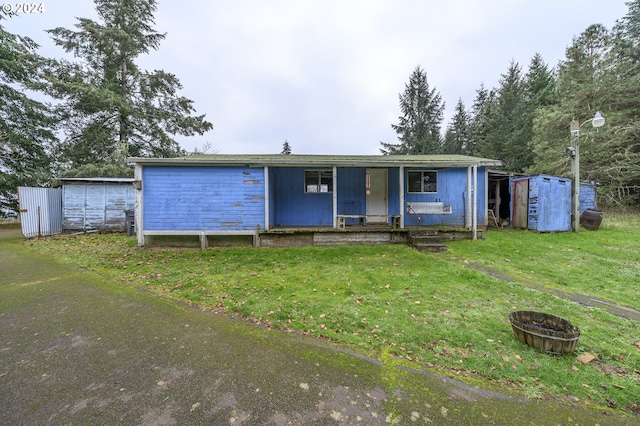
x=293, y=160
x=98, y=180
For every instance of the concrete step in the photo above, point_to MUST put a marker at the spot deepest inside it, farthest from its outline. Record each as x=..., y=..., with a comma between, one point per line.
x=430, y=247
x=417, y=239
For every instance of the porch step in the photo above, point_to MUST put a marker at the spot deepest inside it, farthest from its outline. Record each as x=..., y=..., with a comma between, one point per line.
x=427, y=241
x=430, y=247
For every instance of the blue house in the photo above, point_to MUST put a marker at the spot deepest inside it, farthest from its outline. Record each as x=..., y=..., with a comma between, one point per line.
x=310, y=198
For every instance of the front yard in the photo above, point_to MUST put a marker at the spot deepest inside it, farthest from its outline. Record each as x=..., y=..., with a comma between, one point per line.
x=446, y=312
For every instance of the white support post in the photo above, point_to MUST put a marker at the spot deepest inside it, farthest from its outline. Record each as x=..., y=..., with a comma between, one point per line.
x=467, y=204
x=475, y=203
x=266, y=198
x=139, y=207
x=401, y=189
x=335, y=197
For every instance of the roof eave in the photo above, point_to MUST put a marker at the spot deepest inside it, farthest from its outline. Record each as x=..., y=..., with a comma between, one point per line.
x=322, y=161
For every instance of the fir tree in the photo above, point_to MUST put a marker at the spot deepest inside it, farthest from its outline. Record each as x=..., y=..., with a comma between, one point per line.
x=286, y=148
x=26, y=125
x=112, y=109
x=422, y=110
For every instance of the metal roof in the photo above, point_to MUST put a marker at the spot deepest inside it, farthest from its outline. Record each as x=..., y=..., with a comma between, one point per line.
x=293, y=160
x=98, y=179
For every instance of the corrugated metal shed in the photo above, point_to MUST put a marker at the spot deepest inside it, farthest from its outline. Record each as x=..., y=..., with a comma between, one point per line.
x=40, y=211
x=96, y=204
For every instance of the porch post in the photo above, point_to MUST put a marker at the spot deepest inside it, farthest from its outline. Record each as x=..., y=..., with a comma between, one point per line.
x=138, y=206
x=475, y=202
x=266, y=198
x=467, y=201
x=335, y=197
x=401, y=185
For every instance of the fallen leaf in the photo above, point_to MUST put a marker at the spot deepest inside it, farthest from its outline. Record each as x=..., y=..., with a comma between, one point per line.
x=574, y=368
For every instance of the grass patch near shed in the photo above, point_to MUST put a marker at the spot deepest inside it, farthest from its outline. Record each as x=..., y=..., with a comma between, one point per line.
x=434, y=311
x=603, y=263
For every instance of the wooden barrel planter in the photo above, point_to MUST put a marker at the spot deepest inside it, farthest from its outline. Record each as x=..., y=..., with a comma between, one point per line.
x=590, y=219
x=545, y=332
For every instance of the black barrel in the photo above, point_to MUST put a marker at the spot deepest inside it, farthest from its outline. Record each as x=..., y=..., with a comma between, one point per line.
x=590, y=219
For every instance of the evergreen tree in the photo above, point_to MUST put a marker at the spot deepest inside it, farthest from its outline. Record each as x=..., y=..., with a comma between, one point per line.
x=621, y=178
x=422, y=110
x=504, y=137
x=480, y=117
x=537, y=90
x=112, y=109
x=539, y=83
x=458, y=135
x=286, y=148
x=26, y=126
x=587, y=82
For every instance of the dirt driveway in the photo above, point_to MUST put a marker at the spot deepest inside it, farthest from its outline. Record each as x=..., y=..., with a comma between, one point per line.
x=76, y=349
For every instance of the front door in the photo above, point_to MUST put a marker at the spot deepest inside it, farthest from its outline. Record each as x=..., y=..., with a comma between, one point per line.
x=376, y=189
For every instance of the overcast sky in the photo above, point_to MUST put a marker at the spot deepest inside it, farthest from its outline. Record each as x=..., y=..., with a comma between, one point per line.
x=325, y=75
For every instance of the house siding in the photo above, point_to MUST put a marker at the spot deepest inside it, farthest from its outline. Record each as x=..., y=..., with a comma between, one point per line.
x=292, y=206
x=187, y=198
x=452, y=185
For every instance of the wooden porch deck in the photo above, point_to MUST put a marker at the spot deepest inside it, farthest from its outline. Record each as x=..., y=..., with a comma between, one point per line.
x=355, y=234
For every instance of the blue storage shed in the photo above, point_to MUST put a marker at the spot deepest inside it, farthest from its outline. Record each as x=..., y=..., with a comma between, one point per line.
x=213, y=195
x=541, y=203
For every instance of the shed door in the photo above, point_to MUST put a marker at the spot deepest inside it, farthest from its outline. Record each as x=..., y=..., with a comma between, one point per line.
x=376, y=187
x=521, y=204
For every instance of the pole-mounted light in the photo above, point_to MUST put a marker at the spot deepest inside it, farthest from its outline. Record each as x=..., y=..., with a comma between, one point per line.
x=574, y=153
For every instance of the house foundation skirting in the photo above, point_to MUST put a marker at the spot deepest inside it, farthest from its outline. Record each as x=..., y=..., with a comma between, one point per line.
x=295, y=237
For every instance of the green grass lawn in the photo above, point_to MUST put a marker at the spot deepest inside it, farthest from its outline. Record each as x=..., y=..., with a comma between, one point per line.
x=447, y=312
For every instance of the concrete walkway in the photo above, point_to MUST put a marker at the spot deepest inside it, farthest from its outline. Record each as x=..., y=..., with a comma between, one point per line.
x=76, y=349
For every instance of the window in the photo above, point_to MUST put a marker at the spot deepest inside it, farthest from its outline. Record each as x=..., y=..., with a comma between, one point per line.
x=423, y=181
x=318, y=181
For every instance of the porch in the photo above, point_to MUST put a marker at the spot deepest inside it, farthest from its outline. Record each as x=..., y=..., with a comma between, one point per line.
x=429, y=238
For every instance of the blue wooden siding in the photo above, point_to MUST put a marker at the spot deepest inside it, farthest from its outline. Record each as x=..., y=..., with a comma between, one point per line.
x=291, y=205
x=184, y=198
x=232, y=198
x=452, y=188
x=351, y=192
